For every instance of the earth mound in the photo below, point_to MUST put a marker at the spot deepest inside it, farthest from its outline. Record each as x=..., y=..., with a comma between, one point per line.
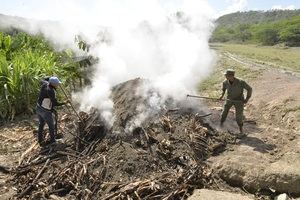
x=161, y=158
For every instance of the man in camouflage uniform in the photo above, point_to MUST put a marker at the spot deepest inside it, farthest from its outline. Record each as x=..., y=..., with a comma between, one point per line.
x=235, y=97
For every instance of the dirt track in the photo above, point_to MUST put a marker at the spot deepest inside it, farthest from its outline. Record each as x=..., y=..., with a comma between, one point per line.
x=269, y=157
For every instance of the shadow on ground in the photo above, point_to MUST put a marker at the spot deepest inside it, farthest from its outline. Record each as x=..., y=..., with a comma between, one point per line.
x=251, y=128
x=257, y=144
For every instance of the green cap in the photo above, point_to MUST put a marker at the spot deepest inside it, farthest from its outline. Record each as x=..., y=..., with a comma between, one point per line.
x=229, y=72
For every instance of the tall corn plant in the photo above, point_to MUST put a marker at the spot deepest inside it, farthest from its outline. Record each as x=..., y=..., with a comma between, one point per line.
x=27, y=70
x=5, y=42
x=4, y=70
x=24, y=61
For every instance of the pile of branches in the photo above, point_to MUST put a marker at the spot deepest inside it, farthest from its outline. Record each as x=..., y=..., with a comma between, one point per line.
x=79, y=169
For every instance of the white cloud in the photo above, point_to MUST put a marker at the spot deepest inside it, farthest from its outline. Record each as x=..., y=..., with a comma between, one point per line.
x=235, y=6
x=280, y=7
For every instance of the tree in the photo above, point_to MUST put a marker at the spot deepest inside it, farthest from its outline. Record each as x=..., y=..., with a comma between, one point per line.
x=291, y=35
x=268, y=36
x=223, y=35
x=243, y=32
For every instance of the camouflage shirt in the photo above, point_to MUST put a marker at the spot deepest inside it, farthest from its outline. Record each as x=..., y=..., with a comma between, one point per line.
x=235, y=90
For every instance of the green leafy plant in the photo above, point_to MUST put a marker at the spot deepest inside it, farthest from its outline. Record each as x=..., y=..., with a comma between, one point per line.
x=24, y=61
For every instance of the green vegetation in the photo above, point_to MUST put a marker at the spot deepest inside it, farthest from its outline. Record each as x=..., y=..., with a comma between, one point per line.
x=212, y=85
x=267, y=28
x=273, y=57
x=278, y=57
x=24, y=61
x=255, y=17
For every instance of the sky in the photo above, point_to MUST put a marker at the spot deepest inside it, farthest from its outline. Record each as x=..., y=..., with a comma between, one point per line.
x=29, y=8
x=228, y=6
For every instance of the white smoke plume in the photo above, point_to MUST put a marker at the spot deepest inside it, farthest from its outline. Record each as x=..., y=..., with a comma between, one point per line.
x=151, y=44
x=147, y=39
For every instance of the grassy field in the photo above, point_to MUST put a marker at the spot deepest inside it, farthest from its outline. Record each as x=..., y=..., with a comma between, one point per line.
x=281, y=57
x=277, y=57
x=211, y=86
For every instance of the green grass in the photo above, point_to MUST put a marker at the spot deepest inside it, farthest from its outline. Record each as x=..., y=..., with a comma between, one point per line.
x=280, y=57
x=212, y=85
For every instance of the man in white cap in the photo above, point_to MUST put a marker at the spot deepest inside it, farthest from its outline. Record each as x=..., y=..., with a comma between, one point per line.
x=235, y=97
x=45, y=107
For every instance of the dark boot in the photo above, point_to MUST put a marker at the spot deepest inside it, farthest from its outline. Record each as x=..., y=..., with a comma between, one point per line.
x=241, y=129
x=221, y=123
x=241, y=134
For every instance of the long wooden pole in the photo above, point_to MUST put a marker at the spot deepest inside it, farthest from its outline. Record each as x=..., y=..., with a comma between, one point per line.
x=201, y=97
x=216, y=99
x=70, y=103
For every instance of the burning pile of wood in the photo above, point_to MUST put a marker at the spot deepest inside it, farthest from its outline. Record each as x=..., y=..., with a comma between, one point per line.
x=164, y=160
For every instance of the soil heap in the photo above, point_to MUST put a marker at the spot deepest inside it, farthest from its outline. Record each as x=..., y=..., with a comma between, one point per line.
x=162, y=158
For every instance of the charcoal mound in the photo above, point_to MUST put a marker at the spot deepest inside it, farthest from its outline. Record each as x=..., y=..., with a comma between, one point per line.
x=162, y=158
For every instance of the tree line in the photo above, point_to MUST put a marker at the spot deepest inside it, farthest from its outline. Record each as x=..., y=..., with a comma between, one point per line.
x=285, y=31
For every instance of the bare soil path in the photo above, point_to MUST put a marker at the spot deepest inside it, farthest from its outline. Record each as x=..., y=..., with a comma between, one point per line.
x=269, y=157
x=15, y=139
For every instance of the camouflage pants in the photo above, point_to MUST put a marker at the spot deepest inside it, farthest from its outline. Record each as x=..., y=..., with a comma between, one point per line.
x=239, y=109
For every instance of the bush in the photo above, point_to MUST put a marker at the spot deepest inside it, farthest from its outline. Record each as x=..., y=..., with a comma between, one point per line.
x=291, y=35
x=243, y=32
x=268, y=36
x=223, y=35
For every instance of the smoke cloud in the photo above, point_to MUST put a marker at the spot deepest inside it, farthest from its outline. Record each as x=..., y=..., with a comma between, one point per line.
x=165, y=42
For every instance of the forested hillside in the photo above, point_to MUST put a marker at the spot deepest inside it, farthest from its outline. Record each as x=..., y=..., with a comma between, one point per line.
x=255, y=17
x=266, y=28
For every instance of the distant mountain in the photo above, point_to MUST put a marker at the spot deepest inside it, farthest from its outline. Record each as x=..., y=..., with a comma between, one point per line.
x=255, y=17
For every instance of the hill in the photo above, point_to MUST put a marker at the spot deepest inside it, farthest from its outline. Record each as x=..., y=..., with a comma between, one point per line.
x=266, y=28
x=255, y=17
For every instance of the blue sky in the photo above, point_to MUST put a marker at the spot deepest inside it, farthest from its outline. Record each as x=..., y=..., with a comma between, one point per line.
x=28, y=7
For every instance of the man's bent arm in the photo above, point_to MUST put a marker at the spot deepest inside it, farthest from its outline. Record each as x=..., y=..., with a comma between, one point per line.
x=53, y=99
x=223, y=91
x=249, y=91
